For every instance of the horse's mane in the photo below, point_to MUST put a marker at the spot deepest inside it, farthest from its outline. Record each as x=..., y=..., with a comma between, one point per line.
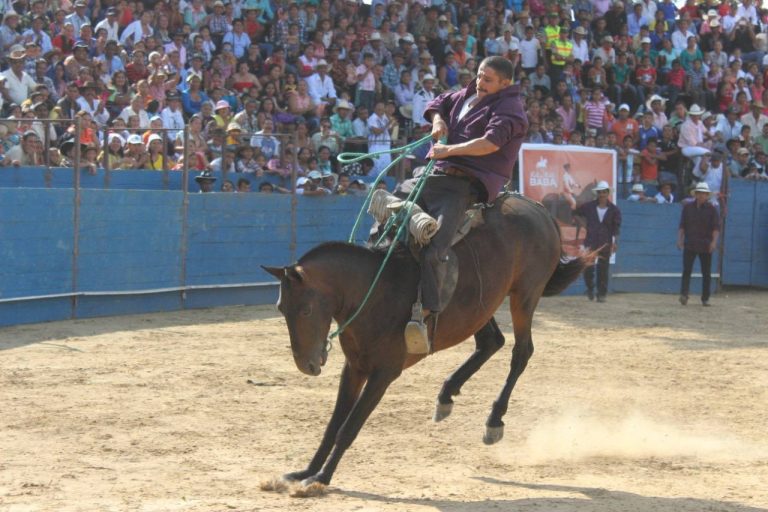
x=348, y=249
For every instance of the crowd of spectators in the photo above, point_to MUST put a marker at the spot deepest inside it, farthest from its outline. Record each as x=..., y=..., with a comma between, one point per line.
x=277, y=87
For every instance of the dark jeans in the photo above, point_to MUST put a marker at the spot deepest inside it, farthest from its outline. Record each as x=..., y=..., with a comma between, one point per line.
x=445, y=198
x=705, y=259
x=602, y=265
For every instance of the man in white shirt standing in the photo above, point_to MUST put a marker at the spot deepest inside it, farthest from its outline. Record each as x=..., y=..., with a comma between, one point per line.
x=172, y=117
x=18, y=84
x=321, y=87
x=109, y=24
x=530, y=49
x=379, y=138
x=420, y=100
x=580, y=46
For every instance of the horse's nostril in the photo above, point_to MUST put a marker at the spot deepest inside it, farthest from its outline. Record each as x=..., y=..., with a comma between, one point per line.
x=312, y=368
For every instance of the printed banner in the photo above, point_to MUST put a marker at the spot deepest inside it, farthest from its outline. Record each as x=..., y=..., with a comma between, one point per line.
x=562, y=178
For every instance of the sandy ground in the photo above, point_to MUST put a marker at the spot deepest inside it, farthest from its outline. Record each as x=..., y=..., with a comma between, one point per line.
x=634, y=405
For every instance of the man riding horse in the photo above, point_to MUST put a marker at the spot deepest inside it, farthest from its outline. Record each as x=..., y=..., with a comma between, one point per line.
x=484, y=125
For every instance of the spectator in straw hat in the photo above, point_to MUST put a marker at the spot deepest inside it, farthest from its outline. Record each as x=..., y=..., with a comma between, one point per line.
x=603, y=220
x=697, y=237
x=18, y=83
x=691, y=140
x=341, y=122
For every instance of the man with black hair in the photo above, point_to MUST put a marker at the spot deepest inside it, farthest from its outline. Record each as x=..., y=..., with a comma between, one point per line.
x=480, y=129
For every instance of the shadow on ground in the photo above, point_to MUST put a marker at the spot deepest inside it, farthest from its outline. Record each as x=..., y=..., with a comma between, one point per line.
x=591, y=499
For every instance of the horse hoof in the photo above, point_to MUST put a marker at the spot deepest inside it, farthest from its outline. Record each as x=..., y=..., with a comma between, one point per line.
x=493, y=435
x=296, y=476
x=310, y=488
x=442, y=411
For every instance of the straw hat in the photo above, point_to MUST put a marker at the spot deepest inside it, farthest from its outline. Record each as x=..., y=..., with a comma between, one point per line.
x=702, y=187
x=695, y=110
x=601, y=185
x=653, y=98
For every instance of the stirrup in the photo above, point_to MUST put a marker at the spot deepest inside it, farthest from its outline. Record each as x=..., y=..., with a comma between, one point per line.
x=416, y=332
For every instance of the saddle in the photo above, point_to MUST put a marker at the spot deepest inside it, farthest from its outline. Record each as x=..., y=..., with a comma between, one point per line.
x=386, y=207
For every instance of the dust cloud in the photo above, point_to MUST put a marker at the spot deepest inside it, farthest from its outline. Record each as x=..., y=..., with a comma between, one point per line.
x=576, y=435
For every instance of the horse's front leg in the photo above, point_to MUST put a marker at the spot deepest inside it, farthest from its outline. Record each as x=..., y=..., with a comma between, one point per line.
x=349, y=389
x=488, y=341
x=377, y=385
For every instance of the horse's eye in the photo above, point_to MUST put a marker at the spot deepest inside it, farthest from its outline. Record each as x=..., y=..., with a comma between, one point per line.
x=306, y=311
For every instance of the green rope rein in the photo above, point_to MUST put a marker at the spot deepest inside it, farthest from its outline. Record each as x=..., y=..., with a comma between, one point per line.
x=345, y=158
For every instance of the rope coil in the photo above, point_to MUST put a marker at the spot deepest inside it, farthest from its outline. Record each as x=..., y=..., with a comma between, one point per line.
x=406, y=211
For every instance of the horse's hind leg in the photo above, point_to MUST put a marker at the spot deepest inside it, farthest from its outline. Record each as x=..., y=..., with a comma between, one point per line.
x=488, y=340
x=349, y=389
x=522, y=316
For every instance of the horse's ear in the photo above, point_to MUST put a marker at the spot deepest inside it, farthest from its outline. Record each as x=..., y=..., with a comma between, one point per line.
x=295, y=273
x=278, y=272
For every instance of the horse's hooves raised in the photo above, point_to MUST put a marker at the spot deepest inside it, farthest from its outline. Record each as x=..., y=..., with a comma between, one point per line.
x=493, y=434
x=442, y=411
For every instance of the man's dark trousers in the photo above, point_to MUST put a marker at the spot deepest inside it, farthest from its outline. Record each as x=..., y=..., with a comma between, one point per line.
x=705, y=259
x=445, y=198
x=602, y=265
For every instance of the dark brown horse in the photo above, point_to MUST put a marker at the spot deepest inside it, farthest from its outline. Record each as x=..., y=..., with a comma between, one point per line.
x=516, y=253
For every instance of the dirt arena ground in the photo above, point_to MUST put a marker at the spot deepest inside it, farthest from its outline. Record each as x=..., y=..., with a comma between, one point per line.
x=634, y=405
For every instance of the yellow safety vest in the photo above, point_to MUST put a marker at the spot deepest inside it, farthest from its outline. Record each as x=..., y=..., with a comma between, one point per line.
x=552, y=33
x=562, y=50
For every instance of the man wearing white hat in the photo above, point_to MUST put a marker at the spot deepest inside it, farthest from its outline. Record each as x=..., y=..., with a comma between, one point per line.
x=321, y=87
x=697, y=237
x=420, y=100
x=691, y=140
x=603, y=220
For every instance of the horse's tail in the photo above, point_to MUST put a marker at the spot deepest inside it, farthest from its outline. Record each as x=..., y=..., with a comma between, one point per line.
x=568, y=268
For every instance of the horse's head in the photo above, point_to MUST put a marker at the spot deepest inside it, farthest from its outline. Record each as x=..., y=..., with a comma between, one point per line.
x=308, y=308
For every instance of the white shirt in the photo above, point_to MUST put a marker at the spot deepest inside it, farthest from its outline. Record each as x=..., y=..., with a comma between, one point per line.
x=376, y=139
x=320, y=87
x=713, y=177
x=420, y=101
x=172, y=120
x=112, y=29
x=135, y=33
x=18, y=88
x=468, y=104
x=601, y=213
x=143, y=117
x=747, y=13
x=581, y=50
x=529, y=52
x=102, y=118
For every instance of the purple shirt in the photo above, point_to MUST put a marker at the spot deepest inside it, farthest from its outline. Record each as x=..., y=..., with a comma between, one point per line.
x=699, y=223
x=499, y=117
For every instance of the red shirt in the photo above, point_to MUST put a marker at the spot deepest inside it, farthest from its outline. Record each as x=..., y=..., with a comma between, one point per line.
x=135, y=74
x=676, y=78
x=649, y=169
x=646, y=76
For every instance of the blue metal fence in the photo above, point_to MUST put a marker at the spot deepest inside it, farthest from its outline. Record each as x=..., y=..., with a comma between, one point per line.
x=118, y=251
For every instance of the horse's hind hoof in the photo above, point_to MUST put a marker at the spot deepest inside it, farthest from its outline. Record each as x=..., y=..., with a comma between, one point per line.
x=442, y=411
x=493, y=435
